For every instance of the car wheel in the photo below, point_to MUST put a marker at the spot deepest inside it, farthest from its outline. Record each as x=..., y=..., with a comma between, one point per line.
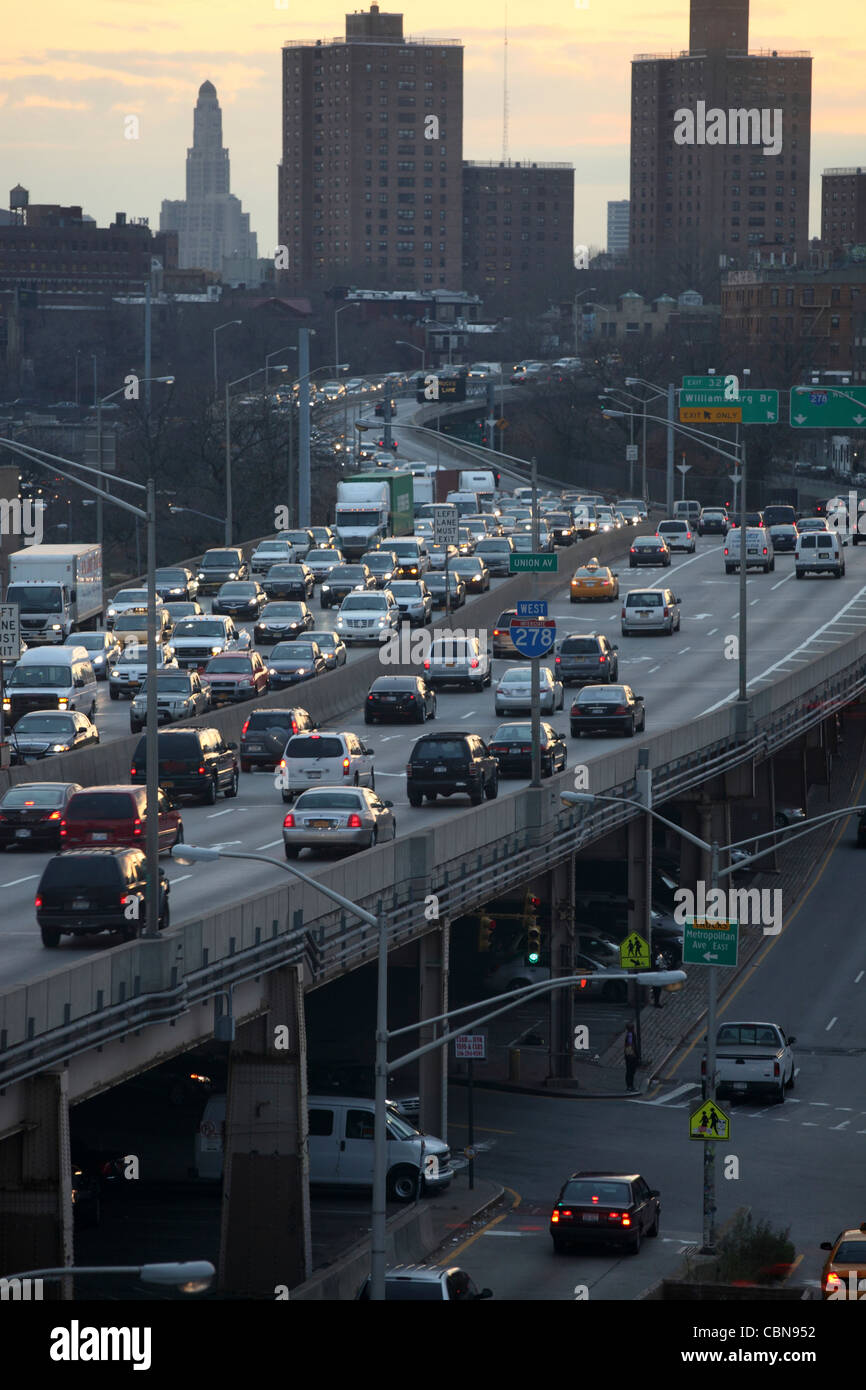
x=432, y=714
x=625, y=631
x=654, y=1228
x=634, y=1246
x=476, y=795
x=356, y=780
x=630, y=728
x=134, y=728
x=403, y=1184
x=492, y=791
x=368, y=718
x=292, y=851
x=791, y=1080
x=287, y=798
x=415, y=798
x=374, y=838
x=114, y=694
x=575, y=733
x=780, y=1094
x=178, y=839
x=210, y=794
x=232, y=789
x=800, y=574
x=50, y=936
x=421, y=715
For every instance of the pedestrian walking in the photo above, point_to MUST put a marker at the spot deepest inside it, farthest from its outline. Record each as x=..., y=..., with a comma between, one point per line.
x=630, y=1054
x=658, y=964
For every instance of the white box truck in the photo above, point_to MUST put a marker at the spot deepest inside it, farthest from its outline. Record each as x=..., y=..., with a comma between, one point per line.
x=362, y=516
x=58, y=588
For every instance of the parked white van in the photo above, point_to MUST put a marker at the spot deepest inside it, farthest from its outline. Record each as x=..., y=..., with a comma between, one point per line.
x=51, y=678
x=340, y=1146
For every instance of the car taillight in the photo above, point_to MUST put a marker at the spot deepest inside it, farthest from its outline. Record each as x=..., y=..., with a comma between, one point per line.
x=666, y=612
x=289, y=822
x=726, y=550
x=765, y=550
x=777, y=1071
x=620, y=709
x=557, y=660
x=244, y=729
x=554, y=1217
x=62, y=829
x=133, y=770
x=474, y=662
x=37, y=901
x=136, y=826
x=55, y=815
x=411, y=697
x=354, y=822
x=688, y=535
x=426, y=665
x=602, y=658
x=626, y=1220
x=831, y=1283
x=347, y=763
x=622, y=614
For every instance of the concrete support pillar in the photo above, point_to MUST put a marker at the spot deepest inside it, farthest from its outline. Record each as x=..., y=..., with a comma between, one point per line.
x=265, y=1235
x=558, y=892
x=757, y=817
x=36, y=1184
x=790, y=777
x=433, y=1000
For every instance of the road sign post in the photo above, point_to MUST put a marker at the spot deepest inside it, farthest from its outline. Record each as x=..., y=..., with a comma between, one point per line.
x=10, y=650
x=471, y=1048
x=710, y=942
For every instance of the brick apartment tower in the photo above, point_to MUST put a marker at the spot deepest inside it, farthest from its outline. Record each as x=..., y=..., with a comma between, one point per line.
x=843, y=208
x=694, y=204
x=364, y=196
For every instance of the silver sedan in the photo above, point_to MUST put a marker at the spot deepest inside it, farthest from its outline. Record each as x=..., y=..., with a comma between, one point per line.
x=341, y=818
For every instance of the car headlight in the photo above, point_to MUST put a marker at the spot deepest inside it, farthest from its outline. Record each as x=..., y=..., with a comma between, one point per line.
x=301, y=671
x=215, y=651
x=114, y=674
x=326, y=586
x=202, y=575
x=60, y=747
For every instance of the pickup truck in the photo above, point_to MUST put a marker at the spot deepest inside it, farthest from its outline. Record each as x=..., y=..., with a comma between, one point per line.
x=752, y=1058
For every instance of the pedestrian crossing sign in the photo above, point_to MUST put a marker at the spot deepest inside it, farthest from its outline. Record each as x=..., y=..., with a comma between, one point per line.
x=709, y=1122
x=634, y=953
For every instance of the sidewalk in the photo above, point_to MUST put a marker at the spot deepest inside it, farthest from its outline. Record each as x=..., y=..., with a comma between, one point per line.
x=665, y=1030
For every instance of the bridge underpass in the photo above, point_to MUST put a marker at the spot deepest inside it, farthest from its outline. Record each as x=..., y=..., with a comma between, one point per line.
x=104, y=1016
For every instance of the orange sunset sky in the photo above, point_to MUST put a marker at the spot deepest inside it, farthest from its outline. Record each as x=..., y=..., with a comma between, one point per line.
x=70, y=74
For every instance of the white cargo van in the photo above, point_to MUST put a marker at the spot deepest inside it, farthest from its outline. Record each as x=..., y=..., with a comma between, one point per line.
x=686, y=510
x=467, y=503
x=51, y=678
x=482, y=481
x=340, y=1145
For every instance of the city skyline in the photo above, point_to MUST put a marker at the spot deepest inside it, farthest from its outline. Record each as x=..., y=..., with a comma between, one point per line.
x=65, y=110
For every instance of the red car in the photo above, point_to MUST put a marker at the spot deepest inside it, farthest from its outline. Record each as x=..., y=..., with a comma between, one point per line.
x=235, y=676
x=116, y=816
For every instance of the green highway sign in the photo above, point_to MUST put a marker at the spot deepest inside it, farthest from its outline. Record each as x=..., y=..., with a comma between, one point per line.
x=533, y=564
x=704, y=383
x=828, y=408
x=758, y=407
x=710, y=942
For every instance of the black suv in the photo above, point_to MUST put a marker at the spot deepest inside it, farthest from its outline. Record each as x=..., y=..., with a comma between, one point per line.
x=218, y=566
x=441, y=764
x=586, y=660
x=267, y=731
x=89, y=890
x=342, y=580
x=192, y=762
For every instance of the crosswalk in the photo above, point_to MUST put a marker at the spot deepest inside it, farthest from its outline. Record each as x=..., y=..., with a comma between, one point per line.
x=809, y=1114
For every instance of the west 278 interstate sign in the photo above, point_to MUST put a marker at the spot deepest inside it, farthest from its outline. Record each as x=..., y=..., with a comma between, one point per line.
x=828, y=408
x=532, y=632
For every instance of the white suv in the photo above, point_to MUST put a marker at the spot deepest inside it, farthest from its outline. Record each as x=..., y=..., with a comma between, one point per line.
x=270, y=553
x=371, y=615
x=650, y=610
x=324, y=759
x=679, y=534
x=459, y=661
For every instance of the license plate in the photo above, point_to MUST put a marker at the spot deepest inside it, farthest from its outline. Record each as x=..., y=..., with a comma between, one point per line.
x=163, y=783
x=450, y=663
x=80, y=904
x=440, y=768
x=313, y=774
x=321, y=824
x=590, y=1216
x=99, y=835
x=644, y=612
x=740, y=1085
x=22, y=834
x=389, y=699
x=823, y=554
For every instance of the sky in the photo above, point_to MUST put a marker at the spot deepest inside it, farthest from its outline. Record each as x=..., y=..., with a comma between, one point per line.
x=71, y=76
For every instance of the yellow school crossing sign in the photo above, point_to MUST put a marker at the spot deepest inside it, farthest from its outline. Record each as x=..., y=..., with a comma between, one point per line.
x=709, y=1122
x=634, y=952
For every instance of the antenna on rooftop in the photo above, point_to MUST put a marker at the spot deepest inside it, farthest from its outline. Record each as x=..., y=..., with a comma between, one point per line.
x=505, y=89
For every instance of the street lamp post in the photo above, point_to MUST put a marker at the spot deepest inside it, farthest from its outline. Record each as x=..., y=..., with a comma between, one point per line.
x=140, y=381
x=230, y=323
x=174, y=511
x=229, y=520
x=670, y=393
x=402, y=342
x=291, y=348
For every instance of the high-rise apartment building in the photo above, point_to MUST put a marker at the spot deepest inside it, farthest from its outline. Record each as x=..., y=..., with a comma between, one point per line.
x=370, y=181
x=518, y=222
x=843, y=208
x=720, y=143
x=210, y=222
x=617, y=227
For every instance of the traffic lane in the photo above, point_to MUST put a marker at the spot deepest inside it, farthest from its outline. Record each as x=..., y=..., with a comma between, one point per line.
x=515, y=1257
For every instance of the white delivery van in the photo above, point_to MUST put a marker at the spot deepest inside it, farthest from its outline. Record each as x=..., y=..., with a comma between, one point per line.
x=340, y=1145
x=819, y=552
x=51, y=678
x=687, y=510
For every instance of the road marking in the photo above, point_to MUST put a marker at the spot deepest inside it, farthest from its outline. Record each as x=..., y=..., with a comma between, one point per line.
x=213, y=815
x=712, y=631
x=512, y=1233
x=482, y=1129
x=485, y=1230
x=270, y=845
x=652, y=669
x=469, y=715
x=14, y=881
x=830, y=1025
x=753, y=601
x=783, y=581
x=808, y=1124
x=859, y=978
x=173, y=881
x=823, y=1104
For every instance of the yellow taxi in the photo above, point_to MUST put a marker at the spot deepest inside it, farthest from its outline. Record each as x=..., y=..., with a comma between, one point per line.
x=594, y=581
x=843, y=1277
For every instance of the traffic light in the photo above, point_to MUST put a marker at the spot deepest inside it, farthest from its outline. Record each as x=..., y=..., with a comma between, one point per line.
x=533, y=930
x=486, y=928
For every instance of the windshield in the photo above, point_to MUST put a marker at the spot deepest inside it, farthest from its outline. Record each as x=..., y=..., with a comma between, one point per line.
x=593, y=1191
x=241, y=590
x=326, y=556
x=35, y=598
x=602, y=694
x=41, y=677
x=327, y=639
x=438, y=749
x=346, y=574
x=308, y=746
x=135, y=622
x=292, y=651
x=358, y=602
x=44, y=724
x=101, y=806
x=580, y=646
x=93, y=641
x=19, y=798
x=405, y=550
x=406, y=588
x=283, y=610
x=512, y=733
x=173, y=684
x=220, y=559
x=328, y=799
x=231, y=665
x=178, y=577
x=135, y=598
x=350, y=516
x=518, y=675
x=648, y=600
x=197, y=628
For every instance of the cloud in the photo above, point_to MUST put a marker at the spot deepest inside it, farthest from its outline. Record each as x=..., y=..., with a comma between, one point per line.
x=55, y=103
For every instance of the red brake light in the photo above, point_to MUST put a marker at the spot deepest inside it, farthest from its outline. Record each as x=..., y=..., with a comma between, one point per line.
x=37, y=901
x=201, y=771
x=289, y=821
x=474, y=662
x=765, y=550
x=347, y=763
x=354, y=821
x=132, y=771
x=315, y=735
x=831, y=1283
x=726, y=550
x=136, y=826
x=426, y=665
x=411, y=697
x=554, y=1215
x=602, y=658
x=62, y=829
x=626, y=1220
x=557, y=660
x=688, y=535
x=776, y=1069
x=246, y=726
x=55, y=815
